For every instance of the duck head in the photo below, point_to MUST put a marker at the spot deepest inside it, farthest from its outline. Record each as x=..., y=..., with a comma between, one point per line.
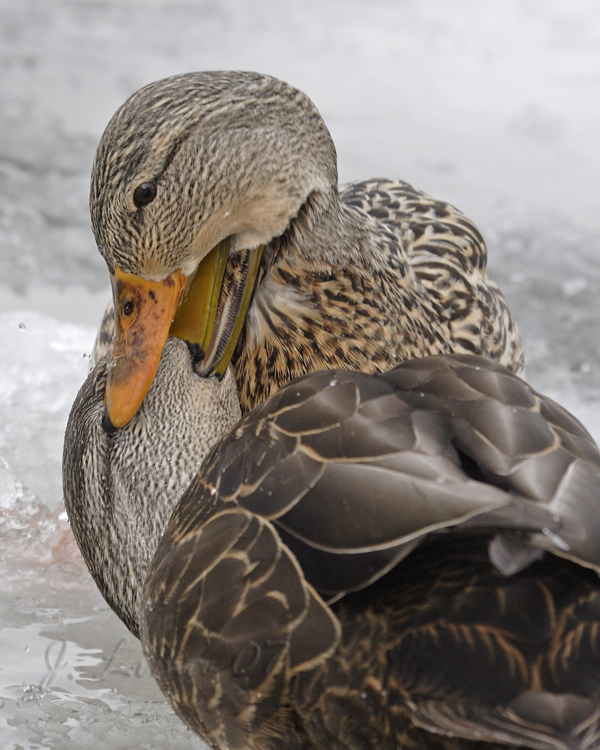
x=189, y=171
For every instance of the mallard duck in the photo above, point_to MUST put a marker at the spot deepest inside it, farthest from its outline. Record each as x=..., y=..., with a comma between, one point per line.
x=408, y=559
x=215, y=203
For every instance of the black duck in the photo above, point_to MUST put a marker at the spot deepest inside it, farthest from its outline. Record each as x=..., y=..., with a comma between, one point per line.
x=215, y=199
x=398, y=560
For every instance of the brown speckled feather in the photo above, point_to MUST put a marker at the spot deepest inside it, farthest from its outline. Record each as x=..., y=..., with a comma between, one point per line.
x=418, y=287
x=449, y=258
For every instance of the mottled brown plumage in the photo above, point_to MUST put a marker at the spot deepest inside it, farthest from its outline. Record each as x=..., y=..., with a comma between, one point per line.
x=416, y=286
x=361, y=277
x=320, y=495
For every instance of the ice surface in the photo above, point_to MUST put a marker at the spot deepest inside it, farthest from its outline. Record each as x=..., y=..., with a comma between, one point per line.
x=42, y=367
x=549, y=270
x=494, y=107
x=71, y=676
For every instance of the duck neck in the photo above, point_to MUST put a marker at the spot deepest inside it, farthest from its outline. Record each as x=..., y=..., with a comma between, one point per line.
x=121, y=489
x=329, y=234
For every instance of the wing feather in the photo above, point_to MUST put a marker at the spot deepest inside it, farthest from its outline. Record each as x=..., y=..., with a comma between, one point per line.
x=241, y=621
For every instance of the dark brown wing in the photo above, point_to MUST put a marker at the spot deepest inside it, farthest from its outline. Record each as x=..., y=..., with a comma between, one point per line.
x=349, y=472
x=228, y=619
x=517, y=440
x=354, y=470
x=448, y=644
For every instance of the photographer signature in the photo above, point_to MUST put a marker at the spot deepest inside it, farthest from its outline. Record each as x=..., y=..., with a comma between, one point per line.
x=56, y=660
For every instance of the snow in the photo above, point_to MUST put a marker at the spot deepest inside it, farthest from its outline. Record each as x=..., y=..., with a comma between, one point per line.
x=492, y=106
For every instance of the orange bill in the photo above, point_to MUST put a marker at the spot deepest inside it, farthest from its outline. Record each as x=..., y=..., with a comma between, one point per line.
x=203, y=309
x=144, y=311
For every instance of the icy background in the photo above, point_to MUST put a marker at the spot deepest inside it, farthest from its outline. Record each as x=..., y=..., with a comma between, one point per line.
x=492, y=106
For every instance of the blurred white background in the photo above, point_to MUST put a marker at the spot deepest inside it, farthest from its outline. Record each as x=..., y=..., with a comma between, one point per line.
x=493, y=106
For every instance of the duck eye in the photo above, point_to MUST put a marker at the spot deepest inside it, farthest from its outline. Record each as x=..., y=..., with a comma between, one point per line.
x=128, y=309
x=144, y=194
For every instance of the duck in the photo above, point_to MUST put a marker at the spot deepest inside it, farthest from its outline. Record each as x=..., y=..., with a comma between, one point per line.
x=398, y=560
x=215, y=203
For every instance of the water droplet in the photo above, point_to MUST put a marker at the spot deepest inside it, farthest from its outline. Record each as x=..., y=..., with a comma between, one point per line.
x=27, y=649
x=22, y=326
x=333, y=382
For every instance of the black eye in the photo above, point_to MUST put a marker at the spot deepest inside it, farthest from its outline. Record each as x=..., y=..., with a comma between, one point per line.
x=128, y=309
x=144, y=194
